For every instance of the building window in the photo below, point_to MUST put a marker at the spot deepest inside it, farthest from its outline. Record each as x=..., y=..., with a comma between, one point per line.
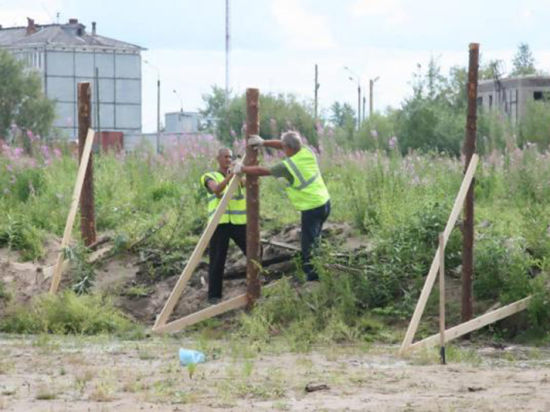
x=480, y=101
x=490, y=101
x=542, y=96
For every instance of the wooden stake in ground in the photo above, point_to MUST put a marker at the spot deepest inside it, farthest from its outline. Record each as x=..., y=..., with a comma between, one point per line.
x=432, y=274
x=87, y=214
x=56, y=278
x=196, y=255
x=469, y=150
x=252, y=201
x=442, y=297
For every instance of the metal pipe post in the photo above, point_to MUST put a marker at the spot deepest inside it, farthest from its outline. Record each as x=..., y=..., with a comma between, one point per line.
x=468, y=150
x=252, y=202
x=87, y=215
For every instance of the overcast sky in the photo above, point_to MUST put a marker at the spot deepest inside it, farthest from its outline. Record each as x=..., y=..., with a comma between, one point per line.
x=276, y=43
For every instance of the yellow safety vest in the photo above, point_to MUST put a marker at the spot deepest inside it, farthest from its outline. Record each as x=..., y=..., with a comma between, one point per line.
x=235, y=212
x=308, y=190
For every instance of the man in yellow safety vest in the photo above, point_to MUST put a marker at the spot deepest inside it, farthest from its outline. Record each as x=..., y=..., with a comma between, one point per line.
x=232, y=224
x=305, y=189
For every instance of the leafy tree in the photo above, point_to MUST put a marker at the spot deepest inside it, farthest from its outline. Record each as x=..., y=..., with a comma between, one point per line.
x=491, y=70
x=524, y=62
x=21, y=98
x=342, y=115
x=278, y=113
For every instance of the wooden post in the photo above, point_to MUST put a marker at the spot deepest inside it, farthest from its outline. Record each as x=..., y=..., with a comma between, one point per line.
x=60, y=262
x=469, y=149
x=87, y=218
x=252, y=201
x=442, y=297
x=432, y=274
x=316, y=91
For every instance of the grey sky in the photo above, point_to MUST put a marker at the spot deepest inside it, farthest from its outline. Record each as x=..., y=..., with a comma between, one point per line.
x=276, y=43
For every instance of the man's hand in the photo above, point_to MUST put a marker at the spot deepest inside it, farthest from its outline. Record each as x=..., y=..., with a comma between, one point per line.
x=237, y=167
x=255, y=141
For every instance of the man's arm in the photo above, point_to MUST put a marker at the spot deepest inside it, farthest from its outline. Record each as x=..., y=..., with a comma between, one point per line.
x=218, y=188
x=256, y=170
x=275, y=144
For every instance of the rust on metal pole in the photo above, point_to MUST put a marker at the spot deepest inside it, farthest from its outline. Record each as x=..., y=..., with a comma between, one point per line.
x=87, y=214
x=252, y=201
x=468, y=223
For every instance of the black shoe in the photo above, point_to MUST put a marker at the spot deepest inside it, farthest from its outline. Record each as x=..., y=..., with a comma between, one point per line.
x=214, y=301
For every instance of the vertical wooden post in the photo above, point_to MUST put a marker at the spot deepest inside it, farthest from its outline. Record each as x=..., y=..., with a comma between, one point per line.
x=442, y=297
x=316, y=90
x=252, y=201
x=468, y=150
x=87, y=219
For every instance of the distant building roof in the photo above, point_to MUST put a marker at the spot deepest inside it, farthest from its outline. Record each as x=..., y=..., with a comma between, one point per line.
x=515, y=82
x=72, y=34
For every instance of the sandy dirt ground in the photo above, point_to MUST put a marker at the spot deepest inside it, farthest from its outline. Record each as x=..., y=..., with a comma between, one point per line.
x=46, y=373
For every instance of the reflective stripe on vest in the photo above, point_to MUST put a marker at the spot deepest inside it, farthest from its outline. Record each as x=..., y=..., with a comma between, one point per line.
x=308, y=190
x=235, y=212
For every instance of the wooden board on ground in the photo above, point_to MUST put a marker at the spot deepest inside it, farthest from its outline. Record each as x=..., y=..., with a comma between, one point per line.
x=58, y=268
x=474, y=324
x=215, y=310
x=196, y=255
x=432, y=274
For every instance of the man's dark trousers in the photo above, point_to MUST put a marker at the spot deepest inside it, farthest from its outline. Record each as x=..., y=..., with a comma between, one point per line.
x=218, y=253
x=312, y=225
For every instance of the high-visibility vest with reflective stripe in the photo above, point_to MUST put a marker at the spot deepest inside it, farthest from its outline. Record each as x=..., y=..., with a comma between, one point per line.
x=308, y=190
x=236, y=208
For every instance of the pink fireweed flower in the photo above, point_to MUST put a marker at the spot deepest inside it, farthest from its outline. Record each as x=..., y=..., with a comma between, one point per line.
x=374, y=134
x=392, y=143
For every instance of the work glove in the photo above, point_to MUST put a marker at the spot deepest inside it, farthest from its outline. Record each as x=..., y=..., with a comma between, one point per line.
x=255, y=141
x=237, y=167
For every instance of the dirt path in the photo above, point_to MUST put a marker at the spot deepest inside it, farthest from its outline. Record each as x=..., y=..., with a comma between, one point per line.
x=100, y=374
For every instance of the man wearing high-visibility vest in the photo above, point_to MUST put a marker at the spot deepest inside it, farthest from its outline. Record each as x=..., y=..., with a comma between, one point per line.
x=232, y=224
x=305, y=188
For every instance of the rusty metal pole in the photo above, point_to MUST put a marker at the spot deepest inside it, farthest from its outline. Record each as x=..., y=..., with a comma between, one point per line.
x=468, y=150
x=252, y=201
x=87, y=215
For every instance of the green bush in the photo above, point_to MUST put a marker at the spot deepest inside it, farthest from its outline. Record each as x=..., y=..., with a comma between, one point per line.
x=67, y=313
x=18, y=234
x=29, y=182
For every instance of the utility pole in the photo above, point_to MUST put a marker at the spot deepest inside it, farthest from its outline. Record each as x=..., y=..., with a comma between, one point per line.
x=316, y=88
x=253, y=259
x=364, y=105
x=227, y=50
x=469, y=149
x=358, y=105
x=97, y=106
x=87, y=215
x=158, y=114
x=371, y=94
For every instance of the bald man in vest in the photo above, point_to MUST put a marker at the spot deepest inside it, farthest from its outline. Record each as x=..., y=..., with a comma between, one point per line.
x=232, y=224
x=305, y=188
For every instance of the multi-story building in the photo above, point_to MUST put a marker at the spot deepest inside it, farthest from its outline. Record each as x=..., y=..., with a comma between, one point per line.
x=512, y=95
x=66, y=54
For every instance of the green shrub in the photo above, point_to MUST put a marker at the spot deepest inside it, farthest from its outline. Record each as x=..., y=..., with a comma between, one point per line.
x=17, y=234
x=67, y=313
x=28, y=182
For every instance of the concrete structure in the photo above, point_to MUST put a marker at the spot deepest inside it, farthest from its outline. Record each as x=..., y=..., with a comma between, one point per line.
x=511, y=95
x=181, y=122
x=65, y=54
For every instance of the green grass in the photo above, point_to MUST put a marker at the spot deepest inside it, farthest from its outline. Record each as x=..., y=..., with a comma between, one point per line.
x=399, y=204
x=67, y=313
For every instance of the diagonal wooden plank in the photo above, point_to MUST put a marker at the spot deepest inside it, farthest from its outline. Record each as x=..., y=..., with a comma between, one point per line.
x=58, y=268
x=474, y=324
x=432, y=274
x=196, y=255
x=230, y=304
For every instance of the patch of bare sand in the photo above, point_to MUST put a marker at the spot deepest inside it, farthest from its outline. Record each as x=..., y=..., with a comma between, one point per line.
x=81, y=375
